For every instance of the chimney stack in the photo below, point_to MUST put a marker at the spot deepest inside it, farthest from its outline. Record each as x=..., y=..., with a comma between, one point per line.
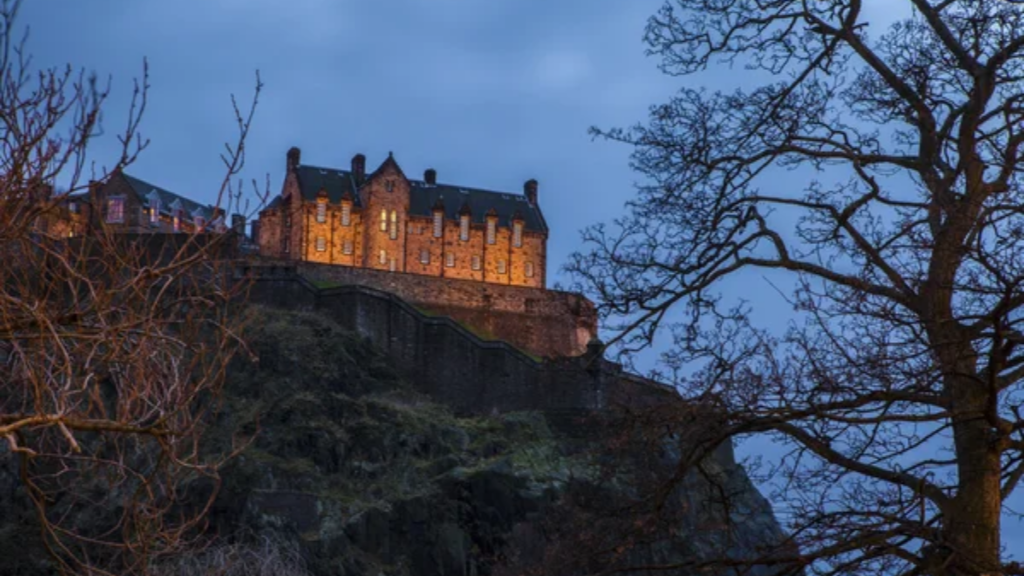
x=359, y=167
x=530, y=189
x=294, y=154
x=430, y=176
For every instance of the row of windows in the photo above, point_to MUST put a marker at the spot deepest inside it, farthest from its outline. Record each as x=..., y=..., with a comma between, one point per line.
x=116, y=214
x=389, y=223
x=346, y=213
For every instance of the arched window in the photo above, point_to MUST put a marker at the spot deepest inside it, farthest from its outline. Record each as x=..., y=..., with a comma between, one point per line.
x=383, y=221
x=394, y=224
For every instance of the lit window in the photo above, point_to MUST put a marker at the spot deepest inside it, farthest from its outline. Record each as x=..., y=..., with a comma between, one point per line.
x=346, y=214
x=438, y=223
x=517, y=234
x=383, y=221
x=383, y=256
x=321, y=244
x=501, y=266
x=424, y=256
x=491, y=230
x=321, y=211
x=394, y=225
x=347, y=247
x=115, y=209
x=177, y=220
x=449, y=259
x=200, y=223
x=464, y=227
x=393, y=265
x=529, y=269
x=475, y=263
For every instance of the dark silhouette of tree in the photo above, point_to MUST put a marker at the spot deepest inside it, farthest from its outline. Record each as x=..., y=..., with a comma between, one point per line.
x=880, y=172
x=112, y=354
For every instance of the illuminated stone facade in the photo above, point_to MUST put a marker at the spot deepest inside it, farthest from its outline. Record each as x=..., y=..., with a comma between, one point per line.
x=386, y=221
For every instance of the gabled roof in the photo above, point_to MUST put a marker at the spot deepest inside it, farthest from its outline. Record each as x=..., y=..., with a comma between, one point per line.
x=145, y=191
x=423, y=197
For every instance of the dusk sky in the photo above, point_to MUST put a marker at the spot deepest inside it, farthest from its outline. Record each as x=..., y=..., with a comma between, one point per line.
x=490, y=93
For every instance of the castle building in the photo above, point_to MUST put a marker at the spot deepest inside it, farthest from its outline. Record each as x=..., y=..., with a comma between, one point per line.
x=126, y=204
x=386, y=221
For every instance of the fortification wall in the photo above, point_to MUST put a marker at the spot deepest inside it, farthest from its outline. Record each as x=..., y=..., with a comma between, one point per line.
x=545, y=323
x=451, y=364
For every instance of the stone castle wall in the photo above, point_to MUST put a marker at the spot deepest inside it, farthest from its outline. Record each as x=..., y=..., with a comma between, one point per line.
x=542, y=322
x=450, y=363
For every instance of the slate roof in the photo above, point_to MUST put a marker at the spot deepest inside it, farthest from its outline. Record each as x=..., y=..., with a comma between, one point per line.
x=423, y=197
x=167, y=198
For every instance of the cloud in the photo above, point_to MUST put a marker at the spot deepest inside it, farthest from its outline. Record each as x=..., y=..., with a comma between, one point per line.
x=561, y=69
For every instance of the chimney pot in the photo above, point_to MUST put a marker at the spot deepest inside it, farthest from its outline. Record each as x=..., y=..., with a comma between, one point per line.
x=293, y=156
x=430, y=176
x=530, y=189
x=359, y=167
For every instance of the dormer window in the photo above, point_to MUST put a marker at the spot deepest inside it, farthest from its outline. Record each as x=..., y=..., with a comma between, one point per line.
x=438, y=223
x=464, y=227
x=177, y=220
x=517, y=234
x=321, y=211
x=200, y=223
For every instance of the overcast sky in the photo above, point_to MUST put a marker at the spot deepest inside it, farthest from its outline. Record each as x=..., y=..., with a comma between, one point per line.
x=488, y=92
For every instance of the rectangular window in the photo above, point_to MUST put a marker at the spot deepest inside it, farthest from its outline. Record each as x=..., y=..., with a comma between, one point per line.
x=501, y=267
x=321, y=212
x=383, y=256
x=464, y=227
x=73, y=207
x=177, y=221
x=492, y=226
x=383, y=221
x=424, y=256
x=475, y=263
x=346, y=214
x=115, y=209
x=449, y=259
x=321, y=244
x=347, y=247
x=394, y=225
x=438, y=223
x=529, y=269
x=517, y=234
x=393, y=265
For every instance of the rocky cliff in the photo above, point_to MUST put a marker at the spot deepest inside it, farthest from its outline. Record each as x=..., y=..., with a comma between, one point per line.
x=356, y=474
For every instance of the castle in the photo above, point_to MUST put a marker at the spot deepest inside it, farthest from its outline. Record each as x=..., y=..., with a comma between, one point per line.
x=476, y=256
x=386, y=221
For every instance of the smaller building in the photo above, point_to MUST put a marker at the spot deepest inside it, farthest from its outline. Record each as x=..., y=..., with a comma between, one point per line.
x=386, y=221
x=126, y=204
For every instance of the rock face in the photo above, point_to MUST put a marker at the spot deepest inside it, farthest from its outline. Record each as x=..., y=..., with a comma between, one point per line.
x=365, y=477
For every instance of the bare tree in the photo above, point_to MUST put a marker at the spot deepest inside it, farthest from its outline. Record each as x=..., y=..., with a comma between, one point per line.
x=113, y=348
x=880, y=171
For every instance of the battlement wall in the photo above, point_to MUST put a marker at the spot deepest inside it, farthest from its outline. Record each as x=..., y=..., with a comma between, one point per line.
x=545, y=323
x=454, y=366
